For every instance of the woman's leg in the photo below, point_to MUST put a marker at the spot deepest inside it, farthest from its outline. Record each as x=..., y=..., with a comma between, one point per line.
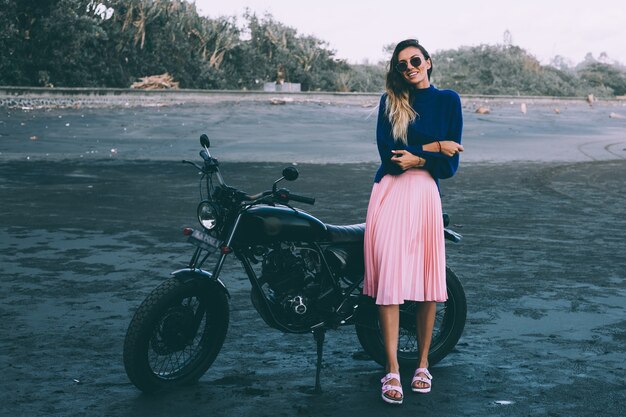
x=389, y=317
x=425, y=322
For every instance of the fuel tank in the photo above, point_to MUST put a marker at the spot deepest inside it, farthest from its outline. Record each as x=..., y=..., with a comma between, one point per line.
x=264, y=224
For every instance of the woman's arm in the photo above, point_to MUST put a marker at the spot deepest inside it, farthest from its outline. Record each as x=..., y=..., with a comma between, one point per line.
x=443, y=165
x=445, y=147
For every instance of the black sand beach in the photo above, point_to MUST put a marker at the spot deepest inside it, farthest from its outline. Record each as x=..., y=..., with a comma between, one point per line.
x=94, y=201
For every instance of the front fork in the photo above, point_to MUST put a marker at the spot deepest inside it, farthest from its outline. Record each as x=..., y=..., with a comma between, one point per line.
x=197, y=261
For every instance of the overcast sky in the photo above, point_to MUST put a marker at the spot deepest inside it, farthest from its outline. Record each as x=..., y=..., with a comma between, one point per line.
x=358, y=30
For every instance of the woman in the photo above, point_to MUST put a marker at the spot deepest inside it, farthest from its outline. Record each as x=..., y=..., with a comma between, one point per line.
x=418, y=136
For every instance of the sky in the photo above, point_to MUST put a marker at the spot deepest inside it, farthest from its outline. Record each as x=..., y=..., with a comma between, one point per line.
x=358, y=30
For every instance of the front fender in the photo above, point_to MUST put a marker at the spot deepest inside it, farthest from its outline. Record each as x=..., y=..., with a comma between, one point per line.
x=188, y=274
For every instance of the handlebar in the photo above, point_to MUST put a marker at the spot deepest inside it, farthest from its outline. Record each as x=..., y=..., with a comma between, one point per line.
x=281, y=196
x=302, y=199
x=284, y=196
x=211, y=166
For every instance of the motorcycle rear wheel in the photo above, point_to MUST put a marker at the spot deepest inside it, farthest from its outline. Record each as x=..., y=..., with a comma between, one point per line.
x=449, y=324
x=176, y=334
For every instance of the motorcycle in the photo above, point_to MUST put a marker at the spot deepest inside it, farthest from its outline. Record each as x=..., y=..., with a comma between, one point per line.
x=305, y=275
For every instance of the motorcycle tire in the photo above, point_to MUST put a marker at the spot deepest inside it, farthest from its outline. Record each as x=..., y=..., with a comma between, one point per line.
x=449, y=323
x=176, y=334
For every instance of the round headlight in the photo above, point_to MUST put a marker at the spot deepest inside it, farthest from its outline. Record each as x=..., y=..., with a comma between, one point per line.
x=208, y=215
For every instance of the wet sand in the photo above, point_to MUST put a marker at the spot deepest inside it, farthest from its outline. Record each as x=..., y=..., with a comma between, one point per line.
x=86, y=234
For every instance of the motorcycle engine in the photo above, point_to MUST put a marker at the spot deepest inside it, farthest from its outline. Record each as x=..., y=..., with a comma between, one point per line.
x=292, y=275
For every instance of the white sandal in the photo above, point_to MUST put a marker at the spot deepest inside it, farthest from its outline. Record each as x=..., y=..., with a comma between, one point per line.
x=425, y=380
x=387, y=387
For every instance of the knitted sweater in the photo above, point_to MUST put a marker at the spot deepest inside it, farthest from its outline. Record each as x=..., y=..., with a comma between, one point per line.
x=439, y=118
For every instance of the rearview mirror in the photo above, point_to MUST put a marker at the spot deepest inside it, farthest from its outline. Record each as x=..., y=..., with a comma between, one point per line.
x=290, y=173
x=204, y=141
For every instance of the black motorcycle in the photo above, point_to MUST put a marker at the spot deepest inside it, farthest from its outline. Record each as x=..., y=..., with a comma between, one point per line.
x=306, y=276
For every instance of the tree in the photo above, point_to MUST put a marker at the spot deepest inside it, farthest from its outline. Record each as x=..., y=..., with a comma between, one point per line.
x=488, y=69
x=13, y=39
x=273, y=46
x=110, y=43
x=370, y=78
x=50, y=42
x=608, y=78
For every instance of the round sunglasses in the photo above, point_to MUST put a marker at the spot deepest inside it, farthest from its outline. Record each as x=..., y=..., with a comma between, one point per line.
x=402, y=66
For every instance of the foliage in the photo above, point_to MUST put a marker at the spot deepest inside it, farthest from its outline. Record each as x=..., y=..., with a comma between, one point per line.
x=111, y=43
x=276, y=52
x=362, y=78
x=510, y=70
x=157, y=36
x=47, y=42
x=604, y=76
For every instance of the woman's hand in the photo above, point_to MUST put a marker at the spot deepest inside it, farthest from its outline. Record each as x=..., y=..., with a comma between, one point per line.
x=406, y=160
x=450, y=147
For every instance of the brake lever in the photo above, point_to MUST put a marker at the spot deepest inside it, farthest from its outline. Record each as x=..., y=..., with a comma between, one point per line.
x=198, y=167
x=259, y=200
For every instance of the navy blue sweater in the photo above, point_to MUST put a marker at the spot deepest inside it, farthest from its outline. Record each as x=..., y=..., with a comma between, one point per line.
x=439, y=118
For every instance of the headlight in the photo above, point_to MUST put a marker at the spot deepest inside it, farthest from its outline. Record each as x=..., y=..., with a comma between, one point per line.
x=208, y=214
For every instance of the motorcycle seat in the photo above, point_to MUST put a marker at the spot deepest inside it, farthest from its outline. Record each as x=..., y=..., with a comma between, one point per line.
x=349, y=233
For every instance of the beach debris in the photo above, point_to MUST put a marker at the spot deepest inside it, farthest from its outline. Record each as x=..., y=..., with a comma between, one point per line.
x=156, y=82
x=483, y=110
x=557, y=110
x=522, y=108
x=614, y=115
x=590, y=99
x=504, y=402
x=281, y=100
x=34, y=137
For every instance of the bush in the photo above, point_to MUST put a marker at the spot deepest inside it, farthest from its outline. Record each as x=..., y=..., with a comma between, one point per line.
x=111, y=43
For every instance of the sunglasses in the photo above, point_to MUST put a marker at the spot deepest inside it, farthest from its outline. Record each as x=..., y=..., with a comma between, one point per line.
x=402, y=66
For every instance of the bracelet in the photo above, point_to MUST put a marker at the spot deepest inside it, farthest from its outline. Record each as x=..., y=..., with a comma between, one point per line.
x=439, y=143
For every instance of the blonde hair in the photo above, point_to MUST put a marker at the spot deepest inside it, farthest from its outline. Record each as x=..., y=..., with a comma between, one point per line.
x=400, y=114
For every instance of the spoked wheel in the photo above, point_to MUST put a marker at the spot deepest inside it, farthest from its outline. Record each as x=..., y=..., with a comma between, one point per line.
x=449, y=324
x=176, y=334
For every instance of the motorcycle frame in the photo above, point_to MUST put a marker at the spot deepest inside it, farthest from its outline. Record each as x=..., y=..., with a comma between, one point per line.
x=195, y=270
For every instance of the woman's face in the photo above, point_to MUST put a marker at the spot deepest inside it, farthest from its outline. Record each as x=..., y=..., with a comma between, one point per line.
x=415, y=76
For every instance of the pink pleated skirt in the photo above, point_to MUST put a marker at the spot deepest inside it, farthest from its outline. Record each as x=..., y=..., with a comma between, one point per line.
x=405, y=256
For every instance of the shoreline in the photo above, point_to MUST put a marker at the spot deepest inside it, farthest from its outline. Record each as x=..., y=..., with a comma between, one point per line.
x=311, y=132
x=80, y=97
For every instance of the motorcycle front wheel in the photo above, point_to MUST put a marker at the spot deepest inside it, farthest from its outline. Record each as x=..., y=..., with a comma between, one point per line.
x=176, y=334
x=449, y=324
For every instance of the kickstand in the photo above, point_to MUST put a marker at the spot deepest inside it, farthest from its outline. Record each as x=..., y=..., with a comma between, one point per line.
x=319, y=335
